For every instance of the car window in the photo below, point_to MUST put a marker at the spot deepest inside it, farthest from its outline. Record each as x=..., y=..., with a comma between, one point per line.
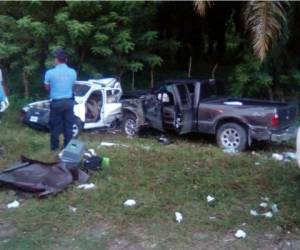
x=183, y=94
x=113, y=95
x=80, y=89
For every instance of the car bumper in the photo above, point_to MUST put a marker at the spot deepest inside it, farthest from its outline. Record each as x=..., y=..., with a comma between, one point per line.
x=265, y=134
x=284, y=135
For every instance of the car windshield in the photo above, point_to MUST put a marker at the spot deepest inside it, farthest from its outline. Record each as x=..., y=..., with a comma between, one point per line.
x=80, y=89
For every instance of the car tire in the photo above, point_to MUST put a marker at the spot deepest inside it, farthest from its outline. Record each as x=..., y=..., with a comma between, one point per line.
x=232, y=136
x=77, y=127
x=129, y=124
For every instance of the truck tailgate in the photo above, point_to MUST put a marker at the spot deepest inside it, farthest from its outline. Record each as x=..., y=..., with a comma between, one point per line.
x=287, y=114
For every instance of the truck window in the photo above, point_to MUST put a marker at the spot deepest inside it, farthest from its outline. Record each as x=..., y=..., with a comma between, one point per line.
x=183, y=94
x=208, y=90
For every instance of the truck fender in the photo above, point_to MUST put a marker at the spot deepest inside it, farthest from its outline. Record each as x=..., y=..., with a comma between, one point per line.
x=223, y=120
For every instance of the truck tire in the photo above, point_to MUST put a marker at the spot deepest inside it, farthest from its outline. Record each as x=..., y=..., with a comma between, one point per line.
x=129, y=124
x=232, y=136
x=77, y=127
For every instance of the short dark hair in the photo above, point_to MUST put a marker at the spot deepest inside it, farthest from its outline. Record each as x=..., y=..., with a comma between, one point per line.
x=61, y=55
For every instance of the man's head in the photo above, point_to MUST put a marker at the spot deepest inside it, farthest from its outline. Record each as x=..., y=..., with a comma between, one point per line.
x=60, y=56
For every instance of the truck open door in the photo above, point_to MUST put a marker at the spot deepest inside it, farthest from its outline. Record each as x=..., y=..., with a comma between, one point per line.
x=184, y=109
x=153, y=112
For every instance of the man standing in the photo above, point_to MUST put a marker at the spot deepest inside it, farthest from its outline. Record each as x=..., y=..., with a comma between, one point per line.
x=59, y=81
x=3, y=99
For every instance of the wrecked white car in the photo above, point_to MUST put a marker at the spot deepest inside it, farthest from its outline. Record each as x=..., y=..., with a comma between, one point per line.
x=96, y=106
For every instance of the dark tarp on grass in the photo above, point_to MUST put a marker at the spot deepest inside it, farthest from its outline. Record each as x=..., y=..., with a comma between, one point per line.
x=41, y=178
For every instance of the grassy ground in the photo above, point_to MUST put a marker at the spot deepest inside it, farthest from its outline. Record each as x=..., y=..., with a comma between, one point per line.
x=163, y=180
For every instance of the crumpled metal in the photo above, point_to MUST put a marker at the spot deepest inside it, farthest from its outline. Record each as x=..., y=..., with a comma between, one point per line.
x=41, y=178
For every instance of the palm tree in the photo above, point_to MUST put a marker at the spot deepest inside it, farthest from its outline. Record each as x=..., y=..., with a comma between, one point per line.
x=266, y=21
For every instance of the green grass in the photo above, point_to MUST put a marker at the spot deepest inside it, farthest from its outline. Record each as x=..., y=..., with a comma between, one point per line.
x=162, y=180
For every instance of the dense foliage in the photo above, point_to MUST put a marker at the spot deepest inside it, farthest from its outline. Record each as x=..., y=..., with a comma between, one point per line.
x=143, y=42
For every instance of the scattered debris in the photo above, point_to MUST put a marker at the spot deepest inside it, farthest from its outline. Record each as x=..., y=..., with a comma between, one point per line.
x=253, y=212
x=86, y=186
x=257, y=163
x=263, y=204
x=265, y=198
x=268, y=215
x=72, y=209
x=13, y=204
x=278, y=157
x=210, y=199
x=230, y=151
x=212, y=217
x=164, y=140
x=240, y=234
x=178, y=216
x=130, y=203
x=265, y=209
x=274, y=208
x=285, y=156
x=111, y=144
x=41, y=178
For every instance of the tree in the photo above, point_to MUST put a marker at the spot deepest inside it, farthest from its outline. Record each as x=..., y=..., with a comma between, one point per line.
x=266, y=21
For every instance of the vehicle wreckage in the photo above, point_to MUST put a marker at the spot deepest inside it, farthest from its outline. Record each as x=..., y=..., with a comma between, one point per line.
x=96, y=106
x=183, y=106
x=199, y=105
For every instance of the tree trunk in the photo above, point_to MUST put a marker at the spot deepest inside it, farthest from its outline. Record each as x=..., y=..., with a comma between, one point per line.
x=25, y=84
x=190, y=67
x=132, y=81
x=152, y=77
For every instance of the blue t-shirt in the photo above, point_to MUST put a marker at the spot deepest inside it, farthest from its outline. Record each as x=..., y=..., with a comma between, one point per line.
x=61, y=80
x=2, y=93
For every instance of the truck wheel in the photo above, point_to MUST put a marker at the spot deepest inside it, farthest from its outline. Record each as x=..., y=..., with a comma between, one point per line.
x=77, y=127
x=129, y=125
x=232, y=136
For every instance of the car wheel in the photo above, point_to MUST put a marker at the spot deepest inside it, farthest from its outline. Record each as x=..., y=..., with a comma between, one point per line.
x=77, y=127
x=232, y=136
x=129, y=125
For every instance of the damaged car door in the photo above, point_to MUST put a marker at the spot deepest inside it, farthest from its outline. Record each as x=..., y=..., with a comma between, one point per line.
x=153, y=111
x=183, y=109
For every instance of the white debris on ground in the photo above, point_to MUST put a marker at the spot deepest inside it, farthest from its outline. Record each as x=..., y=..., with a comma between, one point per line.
x=92, y=151
x=210, y=198
x=86, y=186
x=230, y=151
x=263, y=204
x=72, y=209
x=285, y=156
x=178, y=217
x=240, y=234
x=111, y=144
x=130, y=203
x=13, y=204
x=268, y=214
x=278, y=157
x=253, y=212
x=266, y=208
x=257, y=163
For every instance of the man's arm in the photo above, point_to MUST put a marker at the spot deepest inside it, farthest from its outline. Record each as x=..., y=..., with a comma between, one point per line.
x=47, y=86
x=47, y=81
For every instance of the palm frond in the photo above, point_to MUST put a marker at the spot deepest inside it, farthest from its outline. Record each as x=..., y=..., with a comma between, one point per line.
x=266, y=21
x=201, y=6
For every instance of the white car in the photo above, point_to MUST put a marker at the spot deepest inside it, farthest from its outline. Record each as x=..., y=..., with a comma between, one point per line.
x=97, y=105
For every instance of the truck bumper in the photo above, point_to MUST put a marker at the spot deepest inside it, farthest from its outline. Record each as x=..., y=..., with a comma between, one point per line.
x=265, y=134
x=284, y=135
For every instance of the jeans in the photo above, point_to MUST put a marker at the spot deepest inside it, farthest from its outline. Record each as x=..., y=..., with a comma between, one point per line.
x=61, y=121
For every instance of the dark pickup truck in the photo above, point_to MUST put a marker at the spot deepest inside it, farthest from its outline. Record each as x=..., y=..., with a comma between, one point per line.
x=193, y=105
